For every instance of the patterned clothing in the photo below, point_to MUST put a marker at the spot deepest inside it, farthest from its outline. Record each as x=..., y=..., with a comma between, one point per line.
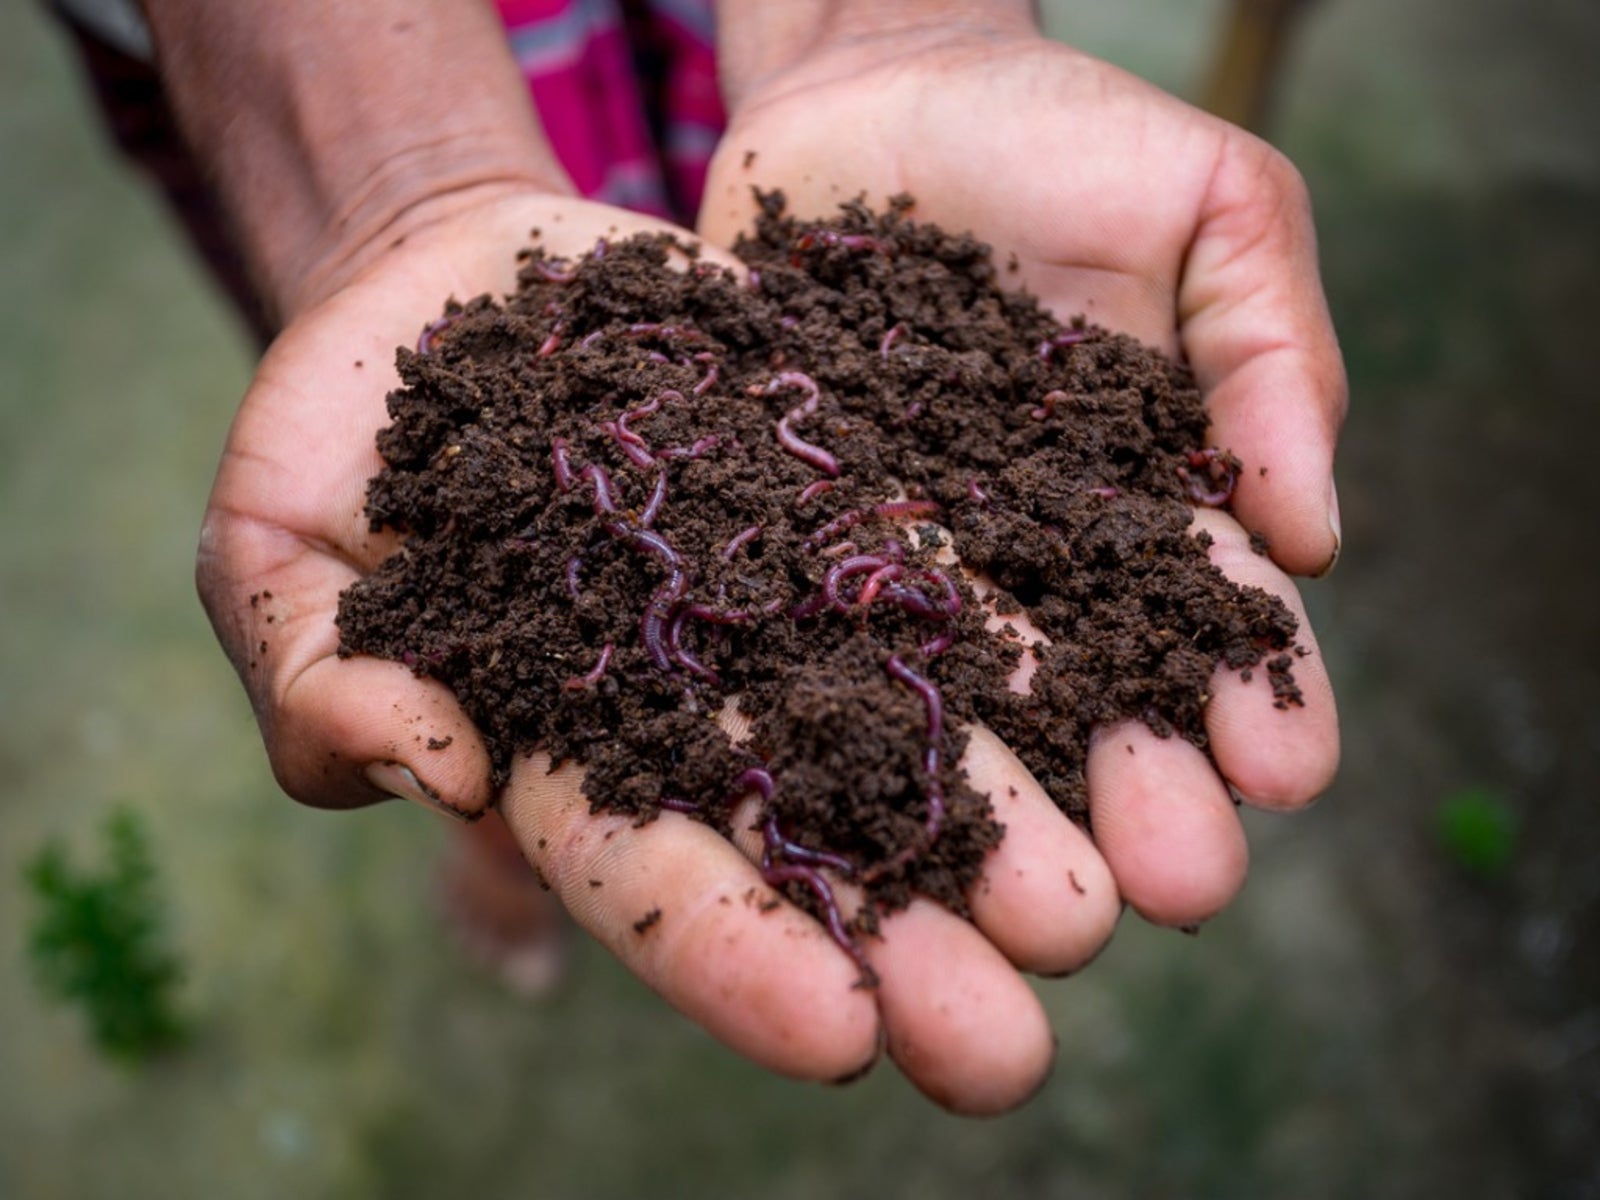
x=626, y=91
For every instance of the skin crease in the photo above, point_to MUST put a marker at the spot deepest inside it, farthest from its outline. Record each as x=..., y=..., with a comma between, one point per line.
x=1216, y=261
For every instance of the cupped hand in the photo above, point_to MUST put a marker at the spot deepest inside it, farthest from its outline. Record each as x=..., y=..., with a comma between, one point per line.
x=1114, y=200
x=683, y=907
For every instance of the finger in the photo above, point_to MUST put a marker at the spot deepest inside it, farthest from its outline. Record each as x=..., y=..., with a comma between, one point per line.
x=960, y=1022
x=690, y=915
x=1255, y=326
x=1166, y=825
x=1279, y=758
x=1047, y=899
x=962, y=1025
x=340, y=733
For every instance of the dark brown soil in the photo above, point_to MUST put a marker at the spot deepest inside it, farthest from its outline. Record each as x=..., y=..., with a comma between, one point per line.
x=567, y=610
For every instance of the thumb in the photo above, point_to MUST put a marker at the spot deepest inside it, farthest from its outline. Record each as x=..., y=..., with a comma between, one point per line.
x=1255, y=326
x=340, y=733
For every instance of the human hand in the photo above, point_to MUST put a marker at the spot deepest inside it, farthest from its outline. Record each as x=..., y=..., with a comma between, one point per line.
x=1119, y=202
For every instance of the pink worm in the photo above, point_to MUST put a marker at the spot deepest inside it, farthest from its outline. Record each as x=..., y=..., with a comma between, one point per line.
x=816, y=456
x=432, y=330
x=1213, y=462
x=1047, y=404
x=1067, y=337
x=578, y=682
x=548, y=270
x=889, y=339
x=893, y=510
x=743, y=538
x=561, y=463
x=932, y=762
x=652, y=506
x=700, y=449
x=812, y=490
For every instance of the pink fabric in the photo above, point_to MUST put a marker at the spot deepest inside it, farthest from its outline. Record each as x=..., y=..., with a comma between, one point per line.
x=627, y=93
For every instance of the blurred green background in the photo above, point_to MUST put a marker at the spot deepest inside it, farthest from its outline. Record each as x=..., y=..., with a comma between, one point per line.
x=1404, y=1003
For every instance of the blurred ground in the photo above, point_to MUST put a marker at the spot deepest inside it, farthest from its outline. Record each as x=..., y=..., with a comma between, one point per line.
x=1369, y=1020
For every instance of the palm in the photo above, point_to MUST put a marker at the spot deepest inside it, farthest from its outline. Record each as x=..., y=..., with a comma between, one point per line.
x=1114, y=200
x=285, y=534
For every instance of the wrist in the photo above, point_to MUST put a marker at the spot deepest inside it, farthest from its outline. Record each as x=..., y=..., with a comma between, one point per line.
x=332, y=131
x=761, y=43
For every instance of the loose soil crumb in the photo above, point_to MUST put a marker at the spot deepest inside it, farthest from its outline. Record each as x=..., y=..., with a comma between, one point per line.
x=647, y=922
x=642, y=486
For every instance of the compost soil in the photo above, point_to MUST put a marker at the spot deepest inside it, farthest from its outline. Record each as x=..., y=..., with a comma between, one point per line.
x=642, y=488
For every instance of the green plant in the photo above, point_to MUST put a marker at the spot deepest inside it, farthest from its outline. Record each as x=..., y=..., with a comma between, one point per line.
x=1478, y=831
x=99, y=941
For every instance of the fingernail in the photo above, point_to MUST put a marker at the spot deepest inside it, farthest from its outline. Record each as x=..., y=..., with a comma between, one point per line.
x=1334, y=527
x=400, y=781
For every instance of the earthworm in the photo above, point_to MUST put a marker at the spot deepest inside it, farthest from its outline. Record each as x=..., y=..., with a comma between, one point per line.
x=590, y=339
x=743, y=538
x=754, y=779
x=796, y=873
x=887, y=573
x=548, y=270
x=858, y=564
x=653, y=631
x=681, y=654
x=932, y=761
x=1067, y=337
x=1219, y=469
x=918, y=604
x=889, y=339
x=551, y=344
x=678, y=804
x=707, y=383
x=699, y=449
x=1047, y=404
x=775, y=845
x=816, y=456
x=976, y=491
x=652, y=506
x=1105, y=492
x=812, y=490
x=574, y=565
x=578, y=682
x=605, y=499
x=849, y=241
x=630, y=443
x=893, y=510
x=561, y=464
x=432, y=330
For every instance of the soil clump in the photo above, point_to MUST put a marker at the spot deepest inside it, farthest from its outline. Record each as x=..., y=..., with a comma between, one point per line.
x=642, y=487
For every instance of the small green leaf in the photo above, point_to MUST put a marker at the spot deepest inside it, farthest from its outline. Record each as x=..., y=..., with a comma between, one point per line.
x=1478, y=830
x=98, y=941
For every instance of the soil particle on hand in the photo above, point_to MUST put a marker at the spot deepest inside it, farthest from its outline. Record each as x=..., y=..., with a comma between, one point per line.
x=647, y=922
x=641, y=486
